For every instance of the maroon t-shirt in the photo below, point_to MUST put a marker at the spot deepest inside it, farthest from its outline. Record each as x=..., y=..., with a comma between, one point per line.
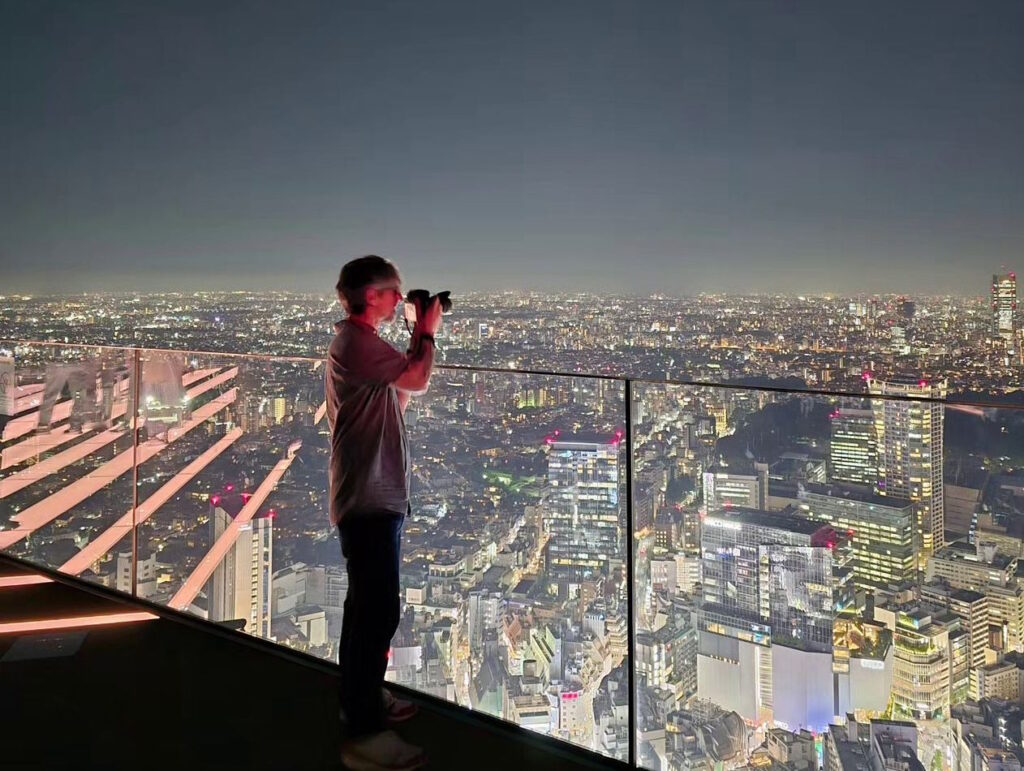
x=369, y=468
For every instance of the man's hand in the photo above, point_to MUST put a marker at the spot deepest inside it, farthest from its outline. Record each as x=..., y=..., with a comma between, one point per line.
x=431, y=321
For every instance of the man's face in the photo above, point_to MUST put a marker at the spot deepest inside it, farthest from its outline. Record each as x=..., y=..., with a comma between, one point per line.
x=385, y=297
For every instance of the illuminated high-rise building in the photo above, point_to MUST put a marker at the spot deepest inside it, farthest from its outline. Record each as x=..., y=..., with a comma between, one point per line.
x=910, y=458
x=1004, y=308
x=880, y=530
x=582, y=517
x=278, y=408
x=240, y=587
x=773, y=585
x=972, y=608
x=853, y=450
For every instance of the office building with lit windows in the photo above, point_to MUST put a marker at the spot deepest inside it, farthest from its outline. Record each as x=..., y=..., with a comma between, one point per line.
x=582, y=518
x=972, y=608
x=1004, y=308
x=992, y=574
x=745, y=486
x=240, y=587
x=910, y=457
x=853, y=447
x=880, y=530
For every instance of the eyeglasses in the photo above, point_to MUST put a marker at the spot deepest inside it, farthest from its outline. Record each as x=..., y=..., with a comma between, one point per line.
x=388, y=287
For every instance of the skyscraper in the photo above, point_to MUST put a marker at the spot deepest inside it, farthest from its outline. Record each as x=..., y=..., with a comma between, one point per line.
x=853, y=450
x=581, y=517
x=773, y=584
x=1004, y=308
x=909, y=437
x=770, y=568
x=240, y=587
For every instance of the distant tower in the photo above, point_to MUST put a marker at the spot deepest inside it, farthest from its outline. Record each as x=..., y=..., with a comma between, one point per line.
x=241, y=585
x=907, y=308
x=1004, y=308
x=909, y=436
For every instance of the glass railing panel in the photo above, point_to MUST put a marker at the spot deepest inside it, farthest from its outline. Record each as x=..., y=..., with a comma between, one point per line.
x=897, y=499
x=67, y=451
x=796, y=554
x=513, y=558
x=231, y=493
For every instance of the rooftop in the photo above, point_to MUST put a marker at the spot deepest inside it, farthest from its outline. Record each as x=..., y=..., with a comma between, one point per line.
x=964, y=552
x=779, y=520
x=859, y=493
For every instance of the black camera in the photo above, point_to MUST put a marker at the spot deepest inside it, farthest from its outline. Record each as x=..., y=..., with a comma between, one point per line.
x=417, y=300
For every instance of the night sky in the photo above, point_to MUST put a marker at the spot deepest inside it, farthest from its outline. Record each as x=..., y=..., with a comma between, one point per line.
x=632, y=146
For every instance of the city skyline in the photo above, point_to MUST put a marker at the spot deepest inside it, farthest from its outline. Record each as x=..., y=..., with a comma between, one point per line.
x=329, y=294
x=722, y=147
x=830, y=343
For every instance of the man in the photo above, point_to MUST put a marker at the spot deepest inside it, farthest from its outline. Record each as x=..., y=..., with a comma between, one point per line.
x=368, y=385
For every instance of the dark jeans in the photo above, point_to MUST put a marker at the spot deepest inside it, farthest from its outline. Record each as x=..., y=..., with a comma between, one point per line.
x=370, y=545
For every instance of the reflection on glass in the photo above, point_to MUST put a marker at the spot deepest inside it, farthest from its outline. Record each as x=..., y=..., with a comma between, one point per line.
x=231, y=495
x=800, y=558
x=514, y=554
x=67, y=447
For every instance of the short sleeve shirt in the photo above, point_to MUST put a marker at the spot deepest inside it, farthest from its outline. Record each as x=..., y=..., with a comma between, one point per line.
x=369, y=466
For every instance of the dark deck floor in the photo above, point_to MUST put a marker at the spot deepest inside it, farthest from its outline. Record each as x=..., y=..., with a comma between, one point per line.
x=167, y=693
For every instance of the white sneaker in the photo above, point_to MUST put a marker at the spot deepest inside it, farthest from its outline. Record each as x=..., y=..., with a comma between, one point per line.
x=397, y=710
x=382, y=751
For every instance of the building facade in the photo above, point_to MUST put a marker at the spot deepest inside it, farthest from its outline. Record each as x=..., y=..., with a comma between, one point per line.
x=1004, y=308
x=241, y=585
x=582, y=516
x=772, y=586
x=853, y=447
x=880, y=530
x=910, y=451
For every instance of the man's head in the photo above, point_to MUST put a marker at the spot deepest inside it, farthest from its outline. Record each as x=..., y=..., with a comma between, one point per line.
x=370, y=288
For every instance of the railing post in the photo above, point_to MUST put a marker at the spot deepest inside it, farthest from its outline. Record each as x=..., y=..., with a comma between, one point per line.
x=631, y=621
x=134, y=424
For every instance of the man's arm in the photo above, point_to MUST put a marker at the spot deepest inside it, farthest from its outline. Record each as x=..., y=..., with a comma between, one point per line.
x=420, y=359
x=405, y=396
x=416, y=376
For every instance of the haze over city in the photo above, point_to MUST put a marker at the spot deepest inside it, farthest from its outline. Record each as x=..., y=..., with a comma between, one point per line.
x=733, y=147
